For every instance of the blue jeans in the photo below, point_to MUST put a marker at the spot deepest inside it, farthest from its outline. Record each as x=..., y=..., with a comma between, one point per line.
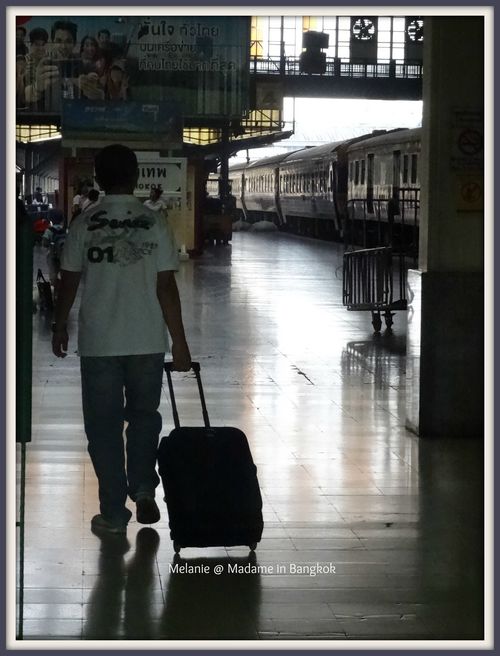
x=105, y=408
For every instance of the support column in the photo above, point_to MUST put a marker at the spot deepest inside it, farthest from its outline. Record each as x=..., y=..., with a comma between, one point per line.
x=445, y=364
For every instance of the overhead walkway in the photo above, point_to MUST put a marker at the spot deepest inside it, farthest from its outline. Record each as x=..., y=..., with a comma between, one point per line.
x=342, y=78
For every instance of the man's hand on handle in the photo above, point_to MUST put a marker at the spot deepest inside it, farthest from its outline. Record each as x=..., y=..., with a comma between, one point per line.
x=181, y=357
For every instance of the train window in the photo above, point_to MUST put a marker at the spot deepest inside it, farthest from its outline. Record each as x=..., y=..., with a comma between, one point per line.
x=356, y=172
x=414, y=164
x=351, y=170
x=363, y=170
x=405, y=169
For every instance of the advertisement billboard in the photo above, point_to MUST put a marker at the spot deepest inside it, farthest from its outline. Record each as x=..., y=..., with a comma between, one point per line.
x=199, y=63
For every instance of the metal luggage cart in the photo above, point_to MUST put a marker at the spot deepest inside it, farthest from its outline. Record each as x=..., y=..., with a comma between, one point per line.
x=374, y=278
x=368, y=283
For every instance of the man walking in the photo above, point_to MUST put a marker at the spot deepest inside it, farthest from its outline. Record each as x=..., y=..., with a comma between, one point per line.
x=126, y=256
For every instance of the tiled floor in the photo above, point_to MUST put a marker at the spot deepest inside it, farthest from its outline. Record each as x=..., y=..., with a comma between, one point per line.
x=393, y=522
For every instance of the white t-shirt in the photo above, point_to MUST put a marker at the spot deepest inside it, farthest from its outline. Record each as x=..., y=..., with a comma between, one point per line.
x=156, y=205
x=119, y=247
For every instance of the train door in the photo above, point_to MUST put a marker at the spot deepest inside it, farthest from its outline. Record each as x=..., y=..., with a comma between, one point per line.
x=339, y=189
x=333, y=186
x=243, y=194
x=277, y=193
x=369, y=183
x=396, y=174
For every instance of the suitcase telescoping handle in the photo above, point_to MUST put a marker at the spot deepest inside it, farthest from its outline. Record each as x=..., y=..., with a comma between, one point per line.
x=195, y=366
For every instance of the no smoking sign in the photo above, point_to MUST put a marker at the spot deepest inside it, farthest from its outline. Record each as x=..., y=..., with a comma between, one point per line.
x=469, y=193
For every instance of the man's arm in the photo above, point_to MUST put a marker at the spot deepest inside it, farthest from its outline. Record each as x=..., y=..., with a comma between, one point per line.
x=168, y=297
x=65, y=299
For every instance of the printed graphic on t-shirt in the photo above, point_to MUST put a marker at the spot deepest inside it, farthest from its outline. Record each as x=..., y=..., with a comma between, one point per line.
x=121, y=242
x=99, y=221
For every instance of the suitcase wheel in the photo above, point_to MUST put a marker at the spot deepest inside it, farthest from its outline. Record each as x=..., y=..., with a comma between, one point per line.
x=177, y=547
x=253, y=546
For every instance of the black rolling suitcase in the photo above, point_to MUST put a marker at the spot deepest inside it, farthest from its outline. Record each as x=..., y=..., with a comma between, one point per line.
x=44, y=292
x=210, y=482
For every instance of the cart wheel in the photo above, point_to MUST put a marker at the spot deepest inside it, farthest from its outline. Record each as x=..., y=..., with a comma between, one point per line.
x=177, y=547
x=376, y=321
x=388, y=319
x=252, y=546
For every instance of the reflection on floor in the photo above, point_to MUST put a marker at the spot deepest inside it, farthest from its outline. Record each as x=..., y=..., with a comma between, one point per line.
x=370, y=532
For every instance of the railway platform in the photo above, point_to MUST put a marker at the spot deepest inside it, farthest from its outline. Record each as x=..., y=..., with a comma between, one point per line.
x=371, y=533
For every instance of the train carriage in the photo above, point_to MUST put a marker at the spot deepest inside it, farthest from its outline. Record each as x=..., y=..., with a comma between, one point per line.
x=260, y=190
x=364, y=190
x=384, y=190
x=310, y=198
x=381, y=235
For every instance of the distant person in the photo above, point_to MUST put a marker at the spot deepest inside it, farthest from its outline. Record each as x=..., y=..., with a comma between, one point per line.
x=107, y=45
x=21, y=71
x=116, y=86
x=104, y=39
x=21, y=48
x=155, y=202
x=89, y=50
x=53, y=239
x=39, y=197
x=38, y=39
x=126, y=258
x=102, y=65
x=63, y=36
x=92, y=200
x=80, y=199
